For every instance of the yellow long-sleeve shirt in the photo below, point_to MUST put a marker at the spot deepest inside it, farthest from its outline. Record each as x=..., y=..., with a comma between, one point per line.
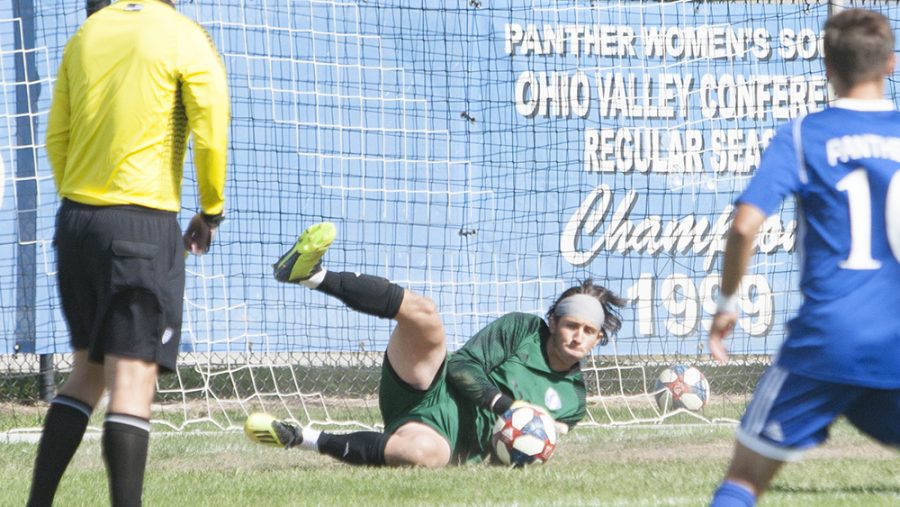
x=133, y=79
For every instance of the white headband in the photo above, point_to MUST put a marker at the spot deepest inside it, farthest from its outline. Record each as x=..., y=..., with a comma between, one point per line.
x=584, y=307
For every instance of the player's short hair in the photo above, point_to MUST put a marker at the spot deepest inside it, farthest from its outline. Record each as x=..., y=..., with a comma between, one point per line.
x=611, y=304
x=858, y=43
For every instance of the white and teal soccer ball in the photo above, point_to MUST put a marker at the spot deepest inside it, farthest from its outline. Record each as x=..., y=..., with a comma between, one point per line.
x=524, y=435
x=681, y=386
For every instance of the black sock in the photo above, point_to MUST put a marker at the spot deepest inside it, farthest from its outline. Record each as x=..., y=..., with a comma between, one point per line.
x=368, y=294
x=64, y=427
x=125, y=442
x=358, y=448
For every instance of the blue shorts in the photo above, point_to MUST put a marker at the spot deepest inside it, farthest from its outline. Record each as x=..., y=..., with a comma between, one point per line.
x=790, y=413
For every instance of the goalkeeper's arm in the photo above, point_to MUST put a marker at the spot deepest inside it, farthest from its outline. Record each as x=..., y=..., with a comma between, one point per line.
x=466, y=372
x=469, y=367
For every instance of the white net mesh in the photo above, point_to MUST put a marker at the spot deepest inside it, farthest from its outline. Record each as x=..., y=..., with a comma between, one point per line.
x=488, y=154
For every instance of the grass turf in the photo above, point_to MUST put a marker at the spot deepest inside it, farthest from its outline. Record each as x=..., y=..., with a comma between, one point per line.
x=631, y=466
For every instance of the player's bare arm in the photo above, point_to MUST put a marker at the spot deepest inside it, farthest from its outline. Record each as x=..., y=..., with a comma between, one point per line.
x=738, y=249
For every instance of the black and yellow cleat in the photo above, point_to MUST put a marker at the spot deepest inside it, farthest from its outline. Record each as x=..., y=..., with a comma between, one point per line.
x=303, y=260
x=264, y=429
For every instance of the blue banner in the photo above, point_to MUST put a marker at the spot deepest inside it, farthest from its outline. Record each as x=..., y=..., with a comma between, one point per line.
x=487, y=154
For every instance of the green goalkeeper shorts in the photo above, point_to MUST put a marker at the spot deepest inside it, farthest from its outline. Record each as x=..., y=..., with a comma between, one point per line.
x=435, y=407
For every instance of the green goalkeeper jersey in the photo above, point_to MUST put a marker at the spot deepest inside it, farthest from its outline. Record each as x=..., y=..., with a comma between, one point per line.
x=509, y=355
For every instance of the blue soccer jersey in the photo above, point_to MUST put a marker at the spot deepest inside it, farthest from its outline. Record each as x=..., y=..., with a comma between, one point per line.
x=842, y=165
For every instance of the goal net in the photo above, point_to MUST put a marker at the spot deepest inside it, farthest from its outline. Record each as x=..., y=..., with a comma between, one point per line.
x=488, y=154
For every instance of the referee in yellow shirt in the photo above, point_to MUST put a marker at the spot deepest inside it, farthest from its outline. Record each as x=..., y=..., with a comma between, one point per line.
x=135, y=81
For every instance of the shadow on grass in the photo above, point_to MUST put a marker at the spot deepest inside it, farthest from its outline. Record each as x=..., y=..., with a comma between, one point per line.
x=824, y=490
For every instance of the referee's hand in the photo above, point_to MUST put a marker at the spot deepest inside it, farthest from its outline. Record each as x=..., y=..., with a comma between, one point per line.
x=199, y=235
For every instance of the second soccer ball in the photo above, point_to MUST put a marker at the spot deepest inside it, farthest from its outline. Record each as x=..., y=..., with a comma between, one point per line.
x=681, y=386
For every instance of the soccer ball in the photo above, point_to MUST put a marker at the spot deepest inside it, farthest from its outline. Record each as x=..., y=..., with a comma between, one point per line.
x=523, y=436
x=681, y=386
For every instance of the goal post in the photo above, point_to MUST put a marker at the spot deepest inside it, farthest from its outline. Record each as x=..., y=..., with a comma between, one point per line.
x=488, y=154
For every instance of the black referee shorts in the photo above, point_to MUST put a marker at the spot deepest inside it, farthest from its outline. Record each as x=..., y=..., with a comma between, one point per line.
x=121, y=280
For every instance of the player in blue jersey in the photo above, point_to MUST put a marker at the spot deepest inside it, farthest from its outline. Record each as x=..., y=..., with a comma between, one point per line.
x=842, y=352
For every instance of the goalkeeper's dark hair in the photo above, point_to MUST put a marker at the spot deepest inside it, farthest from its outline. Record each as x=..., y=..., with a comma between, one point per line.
x=611, y=305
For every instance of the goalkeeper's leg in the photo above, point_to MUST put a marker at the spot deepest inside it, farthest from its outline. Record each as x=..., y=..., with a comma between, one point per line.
x=302, y=264
x=417, y=346
x=357, y=448
x=412, y=444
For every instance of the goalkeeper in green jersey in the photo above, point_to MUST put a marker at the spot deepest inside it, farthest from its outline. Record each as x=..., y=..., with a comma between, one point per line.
x=439, y=408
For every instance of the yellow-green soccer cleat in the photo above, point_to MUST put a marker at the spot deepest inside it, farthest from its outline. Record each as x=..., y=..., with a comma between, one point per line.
x=265, y=429
x=302, y=261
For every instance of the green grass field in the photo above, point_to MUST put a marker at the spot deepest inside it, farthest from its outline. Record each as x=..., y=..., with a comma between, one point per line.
x=665, y=465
